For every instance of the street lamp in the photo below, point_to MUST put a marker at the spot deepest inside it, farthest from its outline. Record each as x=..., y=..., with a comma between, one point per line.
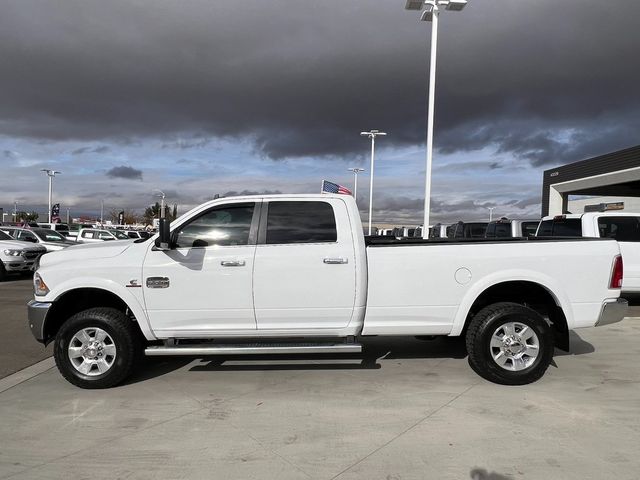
x=161, y=195
x=491, y=209
x=372, y=134
x=355, y=171
x=50, y=174
x=430, y=13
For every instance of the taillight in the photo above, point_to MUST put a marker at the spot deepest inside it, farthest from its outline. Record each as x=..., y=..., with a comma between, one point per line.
x=616, y=273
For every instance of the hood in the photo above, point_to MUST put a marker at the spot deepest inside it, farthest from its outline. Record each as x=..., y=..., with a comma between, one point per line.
x=86, y=251
x=18, y=245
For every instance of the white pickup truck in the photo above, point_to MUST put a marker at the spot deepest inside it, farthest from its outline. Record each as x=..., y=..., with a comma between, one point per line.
x=294, y=274
x=621, y=226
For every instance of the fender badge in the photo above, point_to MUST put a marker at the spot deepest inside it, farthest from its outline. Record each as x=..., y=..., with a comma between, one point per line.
x=133, y=284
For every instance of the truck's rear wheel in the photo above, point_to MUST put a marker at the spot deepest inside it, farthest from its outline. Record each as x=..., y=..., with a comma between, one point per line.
x=509, y=344
x=97, y=348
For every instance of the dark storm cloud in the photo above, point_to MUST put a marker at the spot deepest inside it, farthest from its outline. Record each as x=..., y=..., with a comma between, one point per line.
x=82, y=150
x=547, y=81
x=128, y=173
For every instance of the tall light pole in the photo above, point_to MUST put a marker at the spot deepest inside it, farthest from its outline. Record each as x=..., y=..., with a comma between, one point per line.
x=50, y=174
x=355, y=171
x=101, y=212
x=430, y=13
x=161, y=195
x=372, y=134
x=491, y=209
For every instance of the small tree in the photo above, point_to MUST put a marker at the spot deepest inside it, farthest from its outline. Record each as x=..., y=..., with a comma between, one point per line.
x=28, y=216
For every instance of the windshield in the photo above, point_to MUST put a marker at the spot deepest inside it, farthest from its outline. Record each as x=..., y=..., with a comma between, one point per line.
x=4, y=236
x=49, y=235
x=120, y=235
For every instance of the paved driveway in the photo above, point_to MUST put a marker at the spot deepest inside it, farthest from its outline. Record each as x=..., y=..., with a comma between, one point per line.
x=412, y=411
x=18, y=349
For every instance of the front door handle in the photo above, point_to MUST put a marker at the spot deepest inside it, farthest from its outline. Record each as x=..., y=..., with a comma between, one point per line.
x=335, y=261
x=232, y=263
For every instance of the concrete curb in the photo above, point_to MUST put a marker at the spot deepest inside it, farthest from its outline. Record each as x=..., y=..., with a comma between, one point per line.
x=26, y=373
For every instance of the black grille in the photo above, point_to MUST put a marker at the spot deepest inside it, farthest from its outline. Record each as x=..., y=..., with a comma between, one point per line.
x=31, y=255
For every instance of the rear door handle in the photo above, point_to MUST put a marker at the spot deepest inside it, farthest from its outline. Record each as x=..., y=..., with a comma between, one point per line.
x=232, y=263
x=335, y=261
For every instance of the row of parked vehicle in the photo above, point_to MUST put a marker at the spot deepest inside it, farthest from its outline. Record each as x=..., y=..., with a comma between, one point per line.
x=21, y=245
x=604, y=223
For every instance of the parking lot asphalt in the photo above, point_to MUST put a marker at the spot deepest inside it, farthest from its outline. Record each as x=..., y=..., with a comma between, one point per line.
x=18, y=349
x=401, y=410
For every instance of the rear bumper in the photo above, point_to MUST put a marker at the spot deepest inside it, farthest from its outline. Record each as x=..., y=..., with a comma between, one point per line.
x=37, y=314
x=612, y=311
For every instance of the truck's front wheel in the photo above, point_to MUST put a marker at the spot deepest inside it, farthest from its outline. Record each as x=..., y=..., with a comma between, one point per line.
x=97, y=348
x=509, y=344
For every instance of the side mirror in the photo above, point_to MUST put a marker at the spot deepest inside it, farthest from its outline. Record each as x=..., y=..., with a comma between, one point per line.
x=163, y=242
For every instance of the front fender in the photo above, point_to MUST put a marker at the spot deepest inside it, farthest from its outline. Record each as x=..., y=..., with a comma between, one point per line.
x=124, y=293
x=549, y=283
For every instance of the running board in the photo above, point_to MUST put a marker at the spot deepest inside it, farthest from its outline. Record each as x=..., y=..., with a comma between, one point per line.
x=252, y=349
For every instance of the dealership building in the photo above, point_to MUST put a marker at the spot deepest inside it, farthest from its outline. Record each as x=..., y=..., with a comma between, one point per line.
x=614, y=177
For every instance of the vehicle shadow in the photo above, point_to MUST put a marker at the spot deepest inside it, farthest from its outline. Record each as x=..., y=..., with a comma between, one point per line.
x=374, y=350
x=578, y=346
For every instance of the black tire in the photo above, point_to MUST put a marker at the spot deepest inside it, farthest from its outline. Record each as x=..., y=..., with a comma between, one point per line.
x=481, y=330
x=3, y=272
x=125, y=336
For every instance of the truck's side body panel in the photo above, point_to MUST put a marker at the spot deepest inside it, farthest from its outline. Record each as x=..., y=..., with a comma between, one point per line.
x=439, y=282
x=305, y=285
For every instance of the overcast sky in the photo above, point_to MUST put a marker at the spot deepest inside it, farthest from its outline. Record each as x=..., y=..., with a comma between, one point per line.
x=198, y=97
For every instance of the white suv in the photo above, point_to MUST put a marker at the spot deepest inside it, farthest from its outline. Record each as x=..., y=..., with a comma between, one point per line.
x=16, y=256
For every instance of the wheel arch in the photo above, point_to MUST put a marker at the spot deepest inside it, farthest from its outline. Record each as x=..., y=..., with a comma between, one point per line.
x=77, y=299
x=533, y=293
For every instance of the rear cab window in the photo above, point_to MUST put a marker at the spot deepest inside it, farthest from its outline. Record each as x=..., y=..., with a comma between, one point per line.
x=560, y=227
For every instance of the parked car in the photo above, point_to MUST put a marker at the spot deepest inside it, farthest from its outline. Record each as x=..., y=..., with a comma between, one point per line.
x=506, y=228
x=621, y=226
x=49, y=239
x=93, y=235
x=61, y=228
x=467, y=230
x=294, y=274
x=438, y=231
x=17, y=256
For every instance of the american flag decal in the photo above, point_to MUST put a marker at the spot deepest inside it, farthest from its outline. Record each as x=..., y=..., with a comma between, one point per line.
x=330, y=187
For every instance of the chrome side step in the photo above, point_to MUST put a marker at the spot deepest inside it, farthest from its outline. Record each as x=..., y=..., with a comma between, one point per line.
x=252, y=349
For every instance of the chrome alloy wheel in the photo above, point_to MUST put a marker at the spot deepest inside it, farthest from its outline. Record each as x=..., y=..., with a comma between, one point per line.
x=92, y=351
x=514, y=346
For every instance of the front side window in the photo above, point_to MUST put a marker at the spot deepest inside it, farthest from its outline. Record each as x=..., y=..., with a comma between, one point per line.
x=120, y=235
x=224, y=226
x=301, y=222
x=105, y=236
x=87, y=234
x=623, y=229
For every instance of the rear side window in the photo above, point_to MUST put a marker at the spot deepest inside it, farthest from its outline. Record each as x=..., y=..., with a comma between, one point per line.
x=566, y=227
x=300, y=222
x=623, y=229
x=475, y=230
